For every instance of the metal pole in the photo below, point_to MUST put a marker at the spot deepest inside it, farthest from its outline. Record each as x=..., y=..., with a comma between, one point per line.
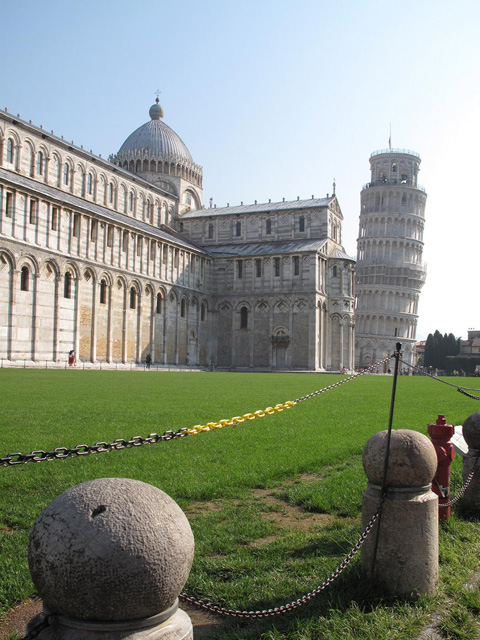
x=396, y=355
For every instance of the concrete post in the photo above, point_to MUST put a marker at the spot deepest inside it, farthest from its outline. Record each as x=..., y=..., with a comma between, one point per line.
x=471, y=433
x=401, y=553
x=109, y=558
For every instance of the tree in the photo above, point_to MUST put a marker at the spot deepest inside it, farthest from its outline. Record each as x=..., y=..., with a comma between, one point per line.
x=438, y=348
x=430, y=357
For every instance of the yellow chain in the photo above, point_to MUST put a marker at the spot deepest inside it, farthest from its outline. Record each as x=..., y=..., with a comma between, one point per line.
x=210, y=426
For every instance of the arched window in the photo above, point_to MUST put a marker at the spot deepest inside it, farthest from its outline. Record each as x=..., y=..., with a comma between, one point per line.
x=24, y=279
x=10, y=150
x=210, y=230
x=40, y=163
x=202, y=312
x=296, y=265
x=103, y=292
x=66, y=174
x=301, y=223
x=33, y=212
x=67, y=285
x=111, y=192
x=130, y=201
x=159, y=303
x=133, y=298
x=268, y=226
x=243, y=318
x=394, y=168
x=89, y=184
x=276, y=267
x=334, y=272
x=238, y=228
x=182, y=308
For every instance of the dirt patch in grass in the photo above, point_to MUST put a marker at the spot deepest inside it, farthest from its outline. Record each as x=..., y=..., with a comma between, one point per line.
x=287, y=515
x=201, y=507
x=18, y=617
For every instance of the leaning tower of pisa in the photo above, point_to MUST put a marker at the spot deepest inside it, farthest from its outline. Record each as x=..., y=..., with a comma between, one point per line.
x=390, y=272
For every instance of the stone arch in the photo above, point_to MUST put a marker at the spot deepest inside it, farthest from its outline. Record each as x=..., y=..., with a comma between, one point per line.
x=281, y=306
x=52, y=265
x=123, y=201
x=262, y=306
x=102, y=184
x=300, y=305
x=112, y=193
x=7, y=282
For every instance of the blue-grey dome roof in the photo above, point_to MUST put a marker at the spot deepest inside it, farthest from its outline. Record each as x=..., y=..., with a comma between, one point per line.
x=157, y=138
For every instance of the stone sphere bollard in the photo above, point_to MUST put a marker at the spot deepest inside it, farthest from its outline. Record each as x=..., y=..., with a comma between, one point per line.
x=109, y=558
x=404, y=557
x=471, y=433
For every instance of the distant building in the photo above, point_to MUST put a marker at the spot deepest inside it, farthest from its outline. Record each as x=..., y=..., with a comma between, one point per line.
x=116, y=259
x=390, y=272
x=420, y=353
x=471, y=346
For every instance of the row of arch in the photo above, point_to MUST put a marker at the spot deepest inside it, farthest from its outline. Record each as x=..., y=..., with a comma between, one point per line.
x=80, y=179
x=86, y=236
x=386, y=325
x=394, y=169
x=405, y=226
x=154, y=165
x=393, y=201
x=388, y=301
x=49, y=308
x=394, y=251
x=284, y=333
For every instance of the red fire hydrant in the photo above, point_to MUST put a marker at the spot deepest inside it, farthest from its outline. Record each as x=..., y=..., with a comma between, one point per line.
x=440, y=433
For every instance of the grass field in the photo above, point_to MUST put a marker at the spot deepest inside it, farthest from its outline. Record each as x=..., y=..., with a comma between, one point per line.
x=274, y=503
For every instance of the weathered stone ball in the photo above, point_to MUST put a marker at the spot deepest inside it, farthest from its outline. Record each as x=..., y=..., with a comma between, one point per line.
x=110, y=549
x=471, y=431
x=412, y=460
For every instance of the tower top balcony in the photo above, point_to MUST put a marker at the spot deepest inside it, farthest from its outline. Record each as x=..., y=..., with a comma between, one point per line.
x=395, y=151
x=385, y=182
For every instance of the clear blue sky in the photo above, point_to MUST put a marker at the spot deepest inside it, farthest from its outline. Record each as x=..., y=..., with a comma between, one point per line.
x=274, y=99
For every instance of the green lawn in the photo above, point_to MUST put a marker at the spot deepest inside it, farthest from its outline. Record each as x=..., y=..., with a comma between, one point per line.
x=274, y=503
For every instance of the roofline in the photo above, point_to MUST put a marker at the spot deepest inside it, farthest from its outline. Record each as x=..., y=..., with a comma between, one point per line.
x=267, y=207
x=89, y=155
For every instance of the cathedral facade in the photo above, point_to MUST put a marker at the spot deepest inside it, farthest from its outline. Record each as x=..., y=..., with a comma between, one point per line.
x=117, y=258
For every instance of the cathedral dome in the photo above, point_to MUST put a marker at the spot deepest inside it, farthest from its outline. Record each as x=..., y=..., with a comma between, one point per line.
x=156, y=139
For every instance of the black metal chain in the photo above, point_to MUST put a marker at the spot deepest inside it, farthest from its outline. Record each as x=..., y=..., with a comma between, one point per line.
x=454, y=500
x=60, y=453
x=437, y=379
x=340, y=382
x=291, y=606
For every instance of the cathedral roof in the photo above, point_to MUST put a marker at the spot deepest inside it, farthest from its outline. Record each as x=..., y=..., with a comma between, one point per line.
x=268, y=248
x=339, y=254
x=156, y=139
x=311, y=203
